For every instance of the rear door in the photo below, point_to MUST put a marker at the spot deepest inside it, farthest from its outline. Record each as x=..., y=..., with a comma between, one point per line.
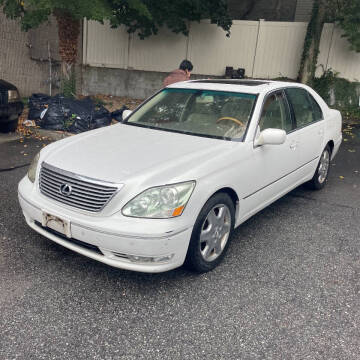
x=310, y=126
x=273, y=167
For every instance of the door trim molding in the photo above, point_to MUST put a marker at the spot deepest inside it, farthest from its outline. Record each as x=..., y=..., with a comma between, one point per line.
x=273, y=182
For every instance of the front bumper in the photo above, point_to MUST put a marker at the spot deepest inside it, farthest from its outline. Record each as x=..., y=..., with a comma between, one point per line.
x=115, y=247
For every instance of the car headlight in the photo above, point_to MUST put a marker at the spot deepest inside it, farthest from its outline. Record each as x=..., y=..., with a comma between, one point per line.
x=160, y=202
x=32, y=168
x=13, y=96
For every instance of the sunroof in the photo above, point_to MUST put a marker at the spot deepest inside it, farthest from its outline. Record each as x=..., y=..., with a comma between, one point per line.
x=233, y=82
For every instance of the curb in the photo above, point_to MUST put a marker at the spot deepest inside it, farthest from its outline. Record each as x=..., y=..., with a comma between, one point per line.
x=51, y=134
x=8, y=137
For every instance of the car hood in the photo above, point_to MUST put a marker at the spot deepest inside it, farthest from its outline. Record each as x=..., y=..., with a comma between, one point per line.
x=122, y=152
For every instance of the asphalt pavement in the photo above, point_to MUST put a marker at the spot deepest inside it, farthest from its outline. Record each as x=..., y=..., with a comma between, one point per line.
x=289, y=287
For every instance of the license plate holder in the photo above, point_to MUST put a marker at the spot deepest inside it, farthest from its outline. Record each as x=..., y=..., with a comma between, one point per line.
x=56, y=223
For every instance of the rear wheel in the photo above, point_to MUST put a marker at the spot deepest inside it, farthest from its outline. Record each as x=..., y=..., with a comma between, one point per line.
x=322, y=171
x=211, y=234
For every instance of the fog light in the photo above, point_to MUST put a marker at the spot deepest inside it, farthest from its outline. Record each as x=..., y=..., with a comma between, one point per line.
x=137, y=258
x=163, y=258
x=144, y=259
x=150, y=259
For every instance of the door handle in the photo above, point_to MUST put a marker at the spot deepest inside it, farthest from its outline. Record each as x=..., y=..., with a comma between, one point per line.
x=293, y=146
x=321, y=132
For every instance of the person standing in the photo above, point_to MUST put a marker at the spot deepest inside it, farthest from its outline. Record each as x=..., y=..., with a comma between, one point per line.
x=181, y=74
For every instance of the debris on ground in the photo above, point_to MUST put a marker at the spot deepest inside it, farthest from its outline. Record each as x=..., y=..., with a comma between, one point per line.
x=113, y=103
x=62, y=114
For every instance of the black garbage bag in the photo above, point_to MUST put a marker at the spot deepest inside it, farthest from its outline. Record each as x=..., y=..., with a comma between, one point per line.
x=100, y=118
x=117, y=114
x=80, y=114
x=55, y=117
x=38, y=100
x=61, y=113
x=34, y=113
x=37, y=104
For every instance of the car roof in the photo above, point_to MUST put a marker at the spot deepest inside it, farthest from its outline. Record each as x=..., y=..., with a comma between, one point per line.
x=235, y=85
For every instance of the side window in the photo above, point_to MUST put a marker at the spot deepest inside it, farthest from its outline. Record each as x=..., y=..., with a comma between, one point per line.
x=303, y=109
x=316, y=109
x=275, y=113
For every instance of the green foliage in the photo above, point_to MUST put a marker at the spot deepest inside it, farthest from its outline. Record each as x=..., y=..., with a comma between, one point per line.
x=345, y=93
x=346, y=13
x=143, y=16
x=146, y=16
x=25, y=100
x=324, y=84
x=35, y=12
x=349, y=20
x=313, y=34
x=68, y=86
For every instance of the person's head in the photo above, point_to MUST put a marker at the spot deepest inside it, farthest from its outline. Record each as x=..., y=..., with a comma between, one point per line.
x=187, y=66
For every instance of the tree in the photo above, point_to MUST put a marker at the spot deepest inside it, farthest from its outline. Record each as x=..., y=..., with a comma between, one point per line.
x=143, y=16
x=346, y=14
x=146, y=16
x=312, y=43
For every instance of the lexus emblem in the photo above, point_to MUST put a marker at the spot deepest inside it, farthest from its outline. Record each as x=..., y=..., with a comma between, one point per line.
x=65, y=189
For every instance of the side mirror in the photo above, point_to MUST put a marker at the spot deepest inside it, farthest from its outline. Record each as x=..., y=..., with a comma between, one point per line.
x=271, y=137
x=126, y=113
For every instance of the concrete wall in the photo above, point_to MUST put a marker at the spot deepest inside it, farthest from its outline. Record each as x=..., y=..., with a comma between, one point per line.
x=24, y=56
x=16, y=65
x=120, y=82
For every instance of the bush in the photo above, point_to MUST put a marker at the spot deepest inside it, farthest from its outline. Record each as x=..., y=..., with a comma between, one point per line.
x=339, y=93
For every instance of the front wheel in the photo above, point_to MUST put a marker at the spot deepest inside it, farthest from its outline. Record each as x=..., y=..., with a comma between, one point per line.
x=322, y=171
x=211, y=233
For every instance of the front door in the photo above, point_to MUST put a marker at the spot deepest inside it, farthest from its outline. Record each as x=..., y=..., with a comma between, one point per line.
x=273, y=167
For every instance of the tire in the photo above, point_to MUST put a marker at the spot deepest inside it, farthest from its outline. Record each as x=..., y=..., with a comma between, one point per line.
x=9, y=126
x=320, y=177
x=211, y=234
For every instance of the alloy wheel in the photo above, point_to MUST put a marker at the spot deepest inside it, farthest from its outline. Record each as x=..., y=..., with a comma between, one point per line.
x=215, y=232
x=323, y=166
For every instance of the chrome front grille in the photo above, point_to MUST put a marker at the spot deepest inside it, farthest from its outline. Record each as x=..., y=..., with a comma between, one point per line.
x=75, y=190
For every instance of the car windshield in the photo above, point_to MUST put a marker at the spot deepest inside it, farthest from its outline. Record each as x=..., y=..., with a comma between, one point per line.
x=218, y=114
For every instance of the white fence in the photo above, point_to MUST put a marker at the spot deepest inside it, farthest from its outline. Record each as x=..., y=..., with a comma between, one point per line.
x=264, y=49
x=335, y=54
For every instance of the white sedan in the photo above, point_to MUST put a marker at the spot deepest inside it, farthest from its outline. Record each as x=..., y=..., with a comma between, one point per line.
x=170, y=183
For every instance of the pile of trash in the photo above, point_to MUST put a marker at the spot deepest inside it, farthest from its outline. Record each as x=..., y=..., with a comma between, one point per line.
x=67, y=114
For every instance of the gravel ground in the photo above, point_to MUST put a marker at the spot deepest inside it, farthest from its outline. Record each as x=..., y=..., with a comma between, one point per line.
x=288, y=289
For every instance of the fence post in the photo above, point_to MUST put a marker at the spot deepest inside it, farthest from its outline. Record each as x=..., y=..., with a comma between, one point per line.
x=256, y=46
x=85, y=41
x=128, y=51
x=188, y=45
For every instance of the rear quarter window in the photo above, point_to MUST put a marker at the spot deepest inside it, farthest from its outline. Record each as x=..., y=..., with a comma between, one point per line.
x=318, y=115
